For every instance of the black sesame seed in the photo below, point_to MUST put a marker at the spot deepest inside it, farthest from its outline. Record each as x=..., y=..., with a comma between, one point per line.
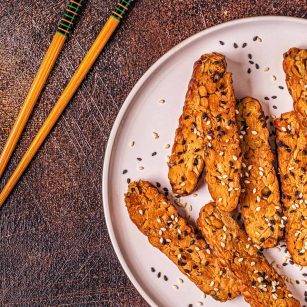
x=255, y=38
x=165, y=189
x=251, y=62
x=125, y=171
x=222, y=43
x=266, y=98
x=274, y=97
x=235, y=45
x=250, y=56
x=244, y=45
x=159, y=275
x=152, y=269
x=274, y=107
x=284, y=264
x=158, y=184
x=257, y=66
x=190, y=305
x=128, y=180
x=154, y=153
x=139, y=159
x=305, y=274
x=297, y=282
x=249, y=71
x=165, y=278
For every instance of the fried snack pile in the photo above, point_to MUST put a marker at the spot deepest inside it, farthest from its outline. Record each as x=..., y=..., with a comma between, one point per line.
x=158, y=219
x=208, y=134
x=263, y=286
x=295, y=67
x=259, y=200
x=292, y=160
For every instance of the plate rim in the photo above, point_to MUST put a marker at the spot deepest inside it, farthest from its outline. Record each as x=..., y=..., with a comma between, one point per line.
x=123, y=110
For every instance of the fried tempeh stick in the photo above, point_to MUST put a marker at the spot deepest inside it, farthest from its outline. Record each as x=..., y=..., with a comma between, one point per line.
x=263, y=286
x=259, y=200
x=208, y=134
x=158, y=219
x=292, y=160
x=295, y=67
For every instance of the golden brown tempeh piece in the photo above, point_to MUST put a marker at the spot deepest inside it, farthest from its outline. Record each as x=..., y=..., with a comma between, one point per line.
x=263, y=286
x=259, y=200
x=208, y=134
x=295, y=67
x=292, y=160
x=158, y=219
x=222, y=144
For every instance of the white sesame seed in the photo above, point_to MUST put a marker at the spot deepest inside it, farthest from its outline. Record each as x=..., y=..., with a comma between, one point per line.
x=161, y=240
x=240, y=259
x=235, y=158
x=211, y=283
x=258, y=201
x=258, y=209
x=246, y=181
x=224, y=228
x=250, y=167
x=221, y=153
x=261, y=174
x=209, y=137
x=254, y=132
x=254, y=190
x=237, y=112
x=158, y=220
x=179, y=231
x=179, y=256
x=243, y=164
x=247, y=246
x=220, y=199
x=166, y=146
x=141, y=212
x=283, y=129
x=275, y=296
x=223, y=244
x=253, y=263
x=197, y=248
x=224, y=176
x=208, y=251
x=175, y=287
x=290, y=295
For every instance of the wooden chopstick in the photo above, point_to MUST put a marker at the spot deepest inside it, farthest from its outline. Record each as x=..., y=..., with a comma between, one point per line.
x=66, y=24
x=67, y=94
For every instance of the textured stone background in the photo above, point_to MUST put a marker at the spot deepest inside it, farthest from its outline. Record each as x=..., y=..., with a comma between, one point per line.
x=54, y=245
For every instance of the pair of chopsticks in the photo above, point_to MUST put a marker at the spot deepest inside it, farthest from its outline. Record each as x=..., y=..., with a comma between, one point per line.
x=64, y=28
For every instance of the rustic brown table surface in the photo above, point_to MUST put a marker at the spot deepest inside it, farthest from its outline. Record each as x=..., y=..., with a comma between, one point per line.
x=54, y=245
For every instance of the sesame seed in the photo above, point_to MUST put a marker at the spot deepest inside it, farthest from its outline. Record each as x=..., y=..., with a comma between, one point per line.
x=222, y=244
x=125, y=171
x=211, y=283
x=257, y=66
x=166, y=146
x=175, y=287
x=250, y=56
x=131, y=144
x=254, y=132
x=244, y=45
x=208, y=251
x=235, y=158
x=154, y=153
x=261, y=174
x=249, y=70
x=258, y=208
x=181, y=280
x=155, y=135
x=141, y=168
x=266, y=68
x=162, y=101
x=235, y=45
x=221, y=43
x=254, y=190
x=253, y=263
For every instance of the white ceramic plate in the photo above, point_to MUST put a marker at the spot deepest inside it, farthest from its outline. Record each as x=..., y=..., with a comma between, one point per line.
x=143, y=114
